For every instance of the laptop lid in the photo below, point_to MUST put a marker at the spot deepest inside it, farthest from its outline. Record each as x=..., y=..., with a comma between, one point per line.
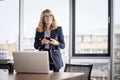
x=31, y=62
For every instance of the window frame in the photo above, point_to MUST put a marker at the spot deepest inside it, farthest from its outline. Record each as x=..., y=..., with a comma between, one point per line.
x=73, y=34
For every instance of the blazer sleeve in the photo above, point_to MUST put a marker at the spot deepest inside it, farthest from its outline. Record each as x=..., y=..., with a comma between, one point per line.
x=37, y=41
x=61, y=42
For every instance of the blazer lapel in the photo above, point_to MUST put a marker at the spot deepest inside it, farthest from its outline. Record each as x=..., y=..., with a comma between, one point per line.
x=53, y=34
x=41, y=35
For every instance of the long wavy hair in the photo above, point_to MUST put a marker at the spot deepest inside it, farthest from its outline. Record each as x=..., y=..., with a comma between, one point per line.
x=41, y=25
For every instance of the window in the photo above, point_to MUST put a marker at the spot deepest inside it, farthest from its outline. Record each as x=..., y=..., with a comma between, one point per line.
x=91, y=28
x=116, y=41
x=9, y=24
x=32, y=11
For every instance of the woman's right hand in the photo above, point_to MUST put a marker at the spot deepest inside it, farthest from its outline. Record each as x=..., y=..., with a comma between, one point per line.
x=45, y=41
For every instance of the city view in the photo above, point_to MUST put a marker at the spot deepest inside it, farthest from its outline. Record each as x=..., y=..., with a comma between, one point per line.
x=87, y=44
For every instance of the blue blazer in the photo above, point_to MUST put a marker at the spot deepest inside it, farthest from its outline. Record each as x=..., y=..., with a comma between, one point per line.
x=54, y=52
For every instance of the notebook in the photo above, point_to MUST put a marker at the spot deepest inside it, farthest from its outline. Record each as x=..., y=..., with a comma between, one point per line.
x=31, y=62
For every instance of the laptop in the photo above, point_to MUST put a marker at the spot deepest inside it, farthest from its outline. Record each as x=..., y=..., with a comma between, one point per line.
x=31, y=62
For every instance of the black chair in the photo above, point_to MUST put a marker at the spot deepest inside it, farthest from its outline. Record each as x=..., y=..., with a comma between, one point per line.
x=80, y=68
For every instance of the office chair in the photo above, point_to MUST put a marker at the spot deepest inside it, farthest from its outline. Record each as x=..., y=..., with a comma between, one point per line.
x=80, y=68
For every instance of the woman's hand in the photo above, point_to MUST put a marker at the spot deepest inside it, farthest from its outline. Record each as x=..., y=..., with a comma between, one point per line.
x=45, y=41
x=53, y=42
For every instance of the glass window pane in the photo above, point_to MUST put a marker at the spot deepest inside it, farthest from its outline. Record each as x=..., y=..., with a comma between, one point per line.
x=9, y=22
x=116, y=39
x=91, y=28
x=32, y=11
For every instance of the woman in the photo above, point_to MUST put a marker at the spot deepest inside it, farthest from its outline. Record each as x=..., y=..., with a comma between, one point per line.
x=49, y=37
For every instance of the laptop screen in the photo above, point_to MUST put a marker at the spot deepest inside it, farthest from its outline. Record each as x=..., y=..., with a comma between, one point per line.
x=31, y=62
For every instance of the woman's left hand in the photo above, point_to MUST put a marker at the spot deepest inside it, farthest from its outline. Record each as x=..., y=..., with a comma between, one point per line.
x=53, y=42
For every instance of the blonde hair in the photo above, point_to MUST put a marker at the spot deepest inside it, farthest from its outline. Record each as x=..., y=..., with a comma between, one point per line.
x=41, y=24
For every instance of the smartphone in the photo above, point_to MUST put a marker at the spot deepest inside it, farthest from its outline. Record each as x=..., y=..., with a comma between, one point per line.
x=48, y=38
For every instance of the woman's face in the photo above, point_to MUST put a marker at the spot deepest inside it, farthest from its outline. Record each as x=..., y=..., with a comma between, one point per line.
x=48, y=18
